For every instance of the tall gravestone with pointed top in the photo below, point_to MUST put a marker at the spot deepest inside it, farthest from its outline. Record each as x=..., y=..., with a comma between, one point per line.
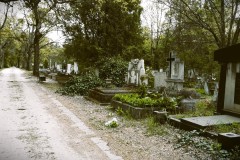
x=176, y=72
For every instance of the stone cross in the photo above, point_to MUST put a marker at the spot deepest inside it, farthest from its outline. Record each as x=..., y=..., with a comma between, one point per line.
x=170, y=60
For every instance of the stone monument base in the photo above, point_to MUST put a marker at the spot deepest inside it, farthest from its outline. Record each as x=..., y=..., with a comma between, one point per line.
x=176, y=84
x=103, y=96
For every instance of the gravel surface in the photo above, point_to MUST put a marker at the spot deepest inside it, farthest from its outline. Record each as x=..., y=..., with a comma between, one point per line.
x=130, y=139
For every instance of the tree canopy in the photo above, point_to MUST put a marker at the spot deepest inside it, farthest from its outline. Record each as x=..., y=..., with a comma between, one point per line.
x=103, y=28
x=96, y=29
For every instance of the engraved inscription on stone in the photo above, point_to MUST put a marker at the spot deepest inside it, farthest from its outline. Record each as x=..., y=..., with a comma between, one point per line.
x=237, y=89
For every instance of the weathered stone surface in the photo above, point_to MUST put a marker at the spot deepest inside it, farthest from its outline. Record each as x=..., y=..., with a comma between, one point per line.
x=103, y=96
x=136, y=112
x=206, y=121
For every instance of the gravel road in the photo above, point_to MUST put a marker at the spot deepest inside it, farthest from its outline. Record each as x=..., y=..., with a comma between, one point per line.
x=36, y=123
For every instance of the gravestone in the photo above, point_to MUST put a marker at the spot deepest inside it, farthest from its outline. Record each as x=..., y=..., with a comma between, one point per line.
x=50, y=64
x=160, y=79
x=136, y=71
x=69, y=66
x=215, y=94
x=176, y=72
x=59, y=68
x=191, y=74
x=75, y=68
x=206, y=89
x=229, y=84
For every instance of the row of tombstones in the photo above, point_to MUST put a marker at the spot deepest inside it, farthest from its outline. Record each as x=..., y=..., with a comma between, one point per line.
x=173, y=77
x=65, y=68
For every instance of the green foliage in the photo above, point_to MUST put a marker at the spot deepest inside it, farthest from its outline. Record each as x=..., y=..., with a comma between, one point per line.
x=153, y=128
x=193, y=139
x=142, y=90
x=125, y=114
x=201, y=91
x=79, y=85
x=225, y=128
x=114, y=68
x=113, y=124
x=120, y=111
x=204, y=108
x=137, y=101
x=103, y=28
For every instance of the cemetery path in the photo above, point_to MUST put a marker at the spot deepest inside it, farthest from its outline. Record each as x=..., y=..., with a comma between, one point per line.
x=35, y=125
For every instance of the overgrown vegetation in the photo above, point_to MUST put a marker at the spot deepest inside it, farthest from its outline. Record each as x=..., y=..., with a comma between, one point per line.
x=125, y=114
x=202, y=108
x=192, y=139
x=80, y=85
x=225, y=128
x=137, y=101
x=153, y=128
x=114, y=68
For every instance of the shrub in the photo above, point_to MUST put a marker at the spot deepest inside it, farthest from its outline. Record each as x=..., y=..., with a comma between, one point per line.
x=137, y=101
x=114, y=68
x=204, y=108
x=79, y=85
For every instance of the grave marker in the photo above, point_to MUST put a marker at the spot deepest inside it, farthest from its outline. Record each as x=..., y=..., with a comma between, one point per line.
x=160, y=79
x=136, y=70
x=229, y=85
x=75, y=68
x=69, y=68
x=176, y=72
x=237, y=89
x=170, y=60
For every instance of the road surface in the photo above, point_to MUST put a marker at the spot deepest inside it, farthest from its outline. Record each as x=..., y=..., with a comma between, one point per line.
x=35, y=125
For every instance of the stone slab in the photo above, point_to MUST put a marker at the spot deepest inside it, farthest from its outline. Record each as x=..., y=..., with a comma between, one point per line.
x=203, y=122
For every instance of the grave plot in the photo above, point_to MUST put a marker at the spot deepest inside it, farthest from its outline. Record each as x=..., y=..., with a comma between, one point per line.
x=228, y=101
x=103, y=95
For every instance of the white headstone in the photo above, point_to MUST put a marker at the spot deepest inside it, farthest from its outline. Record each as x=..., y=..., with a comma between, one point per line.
x=50, y=64
x=175, y=72
x=136, y=71
x=59, y=67
x=75, y=68
x=160, y=79
x=206, y=89
x=69, y=68
x=177, y=68
x=215, y=94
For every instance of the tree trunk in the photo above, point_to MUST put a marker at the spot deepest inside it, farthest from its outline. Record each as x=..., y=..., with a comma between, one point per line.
x=36, y=54
x=37, y=37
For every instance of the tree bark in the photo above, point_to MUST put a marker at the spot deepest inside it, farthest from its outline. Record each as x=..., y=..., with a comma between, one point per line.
x=37, y=37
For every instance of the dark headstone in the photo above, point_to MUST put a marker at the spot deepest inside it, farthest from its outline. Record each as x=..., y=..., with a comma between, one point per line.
x=229, y=140
x=237, y=89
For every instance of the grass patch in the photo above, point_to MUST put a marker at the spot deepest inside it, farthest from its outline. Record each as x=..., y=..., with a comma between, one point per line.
x=154, y=128
x=202, y=108
x=224, y=128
